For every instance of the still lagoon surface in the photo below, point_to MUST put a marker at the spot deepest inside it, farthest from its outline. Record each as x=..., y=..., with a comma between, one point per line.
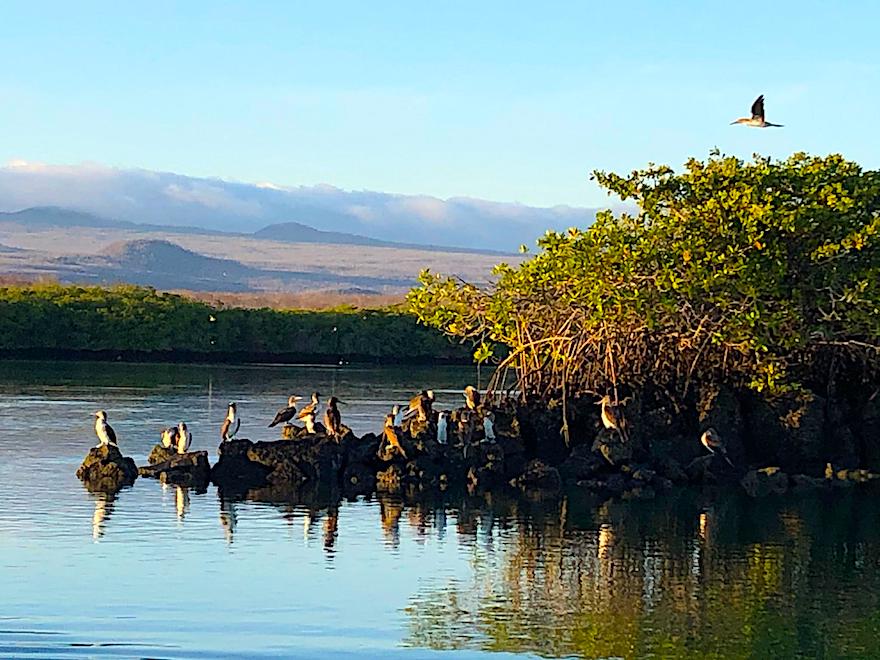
x=160, y=572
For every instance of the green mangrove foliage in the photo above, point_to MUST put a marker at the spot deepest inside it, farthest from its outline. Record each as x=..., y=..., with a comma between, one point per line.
x=748, y=273
x=141, y=320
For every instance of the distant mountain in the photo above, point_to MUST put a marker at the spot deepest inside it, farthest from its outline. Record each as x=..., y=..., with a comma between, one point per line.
x=172, y=200
x=53, y=216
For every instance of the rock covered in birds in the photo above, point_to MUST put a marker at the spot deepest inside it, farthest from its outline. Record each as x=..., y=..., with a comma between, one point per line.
x=105, y=469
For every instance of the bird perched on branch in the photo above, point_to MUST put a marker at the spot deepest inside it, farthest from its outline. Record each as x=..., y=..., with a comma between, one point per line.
x=420, y=406
x=332, y=418
x=286, y=413
x=106, y=434
x=713, y=442
x=231, y=424
x=757, y=119
x=472, y=397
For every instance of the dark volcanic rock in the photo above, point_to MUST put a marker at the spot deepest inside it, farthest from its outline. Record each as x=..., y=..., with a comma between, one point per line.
x=190, y=469
x=538, y=476
x=582, y=464
x=612, y=447
x=766, y=481
x=105, y=469
x=234, y=471
x=160, y=454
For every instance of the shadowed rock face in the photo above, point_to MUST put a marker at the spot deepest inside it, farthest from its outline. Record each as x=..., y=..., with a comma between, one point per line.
x=106, y=470
x=191, y=469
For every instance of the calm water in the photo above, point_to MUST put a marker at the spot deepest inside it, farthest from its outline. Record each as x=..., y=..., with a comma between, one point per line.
x=161, y=572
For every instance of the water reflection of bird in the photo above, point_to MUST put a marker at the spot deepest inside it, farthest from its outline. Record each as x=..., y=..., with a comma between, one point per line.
x=103, y=509
x=757, y=119
x=181, y=501
x=605, y=540
x=309, y=414
x=713, y=442
x=231, y=424
x=472, y=397
x=228, y=519
x=705, y=522
x=184, y=438
x=286, y=413
x=420, y=406
x=331, y=528
x=390, y=510
x=106, y=434
x=169, y=437
x=332, y=418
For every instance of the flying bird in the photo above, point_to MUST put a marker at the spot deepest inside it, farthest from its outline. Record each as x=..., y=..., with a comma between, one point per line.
x=713, y=442
x=184, y=438
x=286, y=413
x=757, y=119
x=106, y=434
x=231, y=424
x=332, y=418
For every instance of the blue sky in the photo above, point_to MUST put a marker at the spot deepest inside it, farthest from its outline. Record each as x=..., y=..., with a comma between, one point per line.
x=484, y=99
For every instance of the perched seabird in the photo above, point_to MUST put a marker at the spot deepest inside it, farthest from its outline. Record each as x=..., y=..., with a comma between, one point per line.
x=231, y=424
x=612, y=414
x=398, y=414
x=169, y=437
x=308, y=414
x=466, y=424
x=390, y=436
x=420, y=405
x=757, y=119
x=442, y=423
x=184, y=438
x=286, y=413
x=489, y=426
x=332, y=418
x=472, y=397
x=106, y=434
x=713, y=442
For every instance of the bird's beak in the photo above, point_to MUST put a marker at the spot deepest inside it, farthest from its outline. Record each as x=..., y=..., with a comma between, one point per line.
x=342, y=402
x=734, y=122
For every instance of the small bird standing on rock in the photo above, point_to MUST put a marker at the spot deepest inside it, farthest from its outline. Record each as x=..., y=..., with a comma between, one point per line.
x=713, y=442
x=420, y=406
x=286, y=413
x=612, y=416
x=390, y=436
x=184, y=438
x=332, y=418
x=472, y=397
x=231, y=424
x=169, y=437
x=489, y=426
x=106, y=434
x=442, y=426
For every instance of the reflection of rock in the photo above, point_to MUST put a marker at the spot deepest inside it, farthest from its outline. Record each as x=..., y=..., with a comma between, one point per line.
x=191, y=469
x=766, y=481
x=105, y=469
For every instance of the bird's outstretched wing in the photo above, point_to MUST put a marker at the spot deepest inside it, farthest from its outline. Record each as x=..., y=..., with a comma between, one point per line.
x=758, y=108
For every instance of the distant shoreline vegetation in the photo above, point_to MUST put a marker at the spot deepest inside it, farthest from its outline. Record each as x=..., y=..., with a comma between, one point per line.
x=138, y=323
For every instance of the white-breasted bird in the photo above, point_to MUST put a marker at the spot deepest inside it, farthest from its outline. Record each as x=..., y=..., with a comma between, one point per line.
x=398, y=414
x=309, y=414
x=231, y=424
x=286, y=413
x=106, y=434
x=489, y=426
x=757, y=119
x=442, y=427
x=169, y=437
x=612, y=416
x=471, y=397
x=184, y=438
x=713, y=442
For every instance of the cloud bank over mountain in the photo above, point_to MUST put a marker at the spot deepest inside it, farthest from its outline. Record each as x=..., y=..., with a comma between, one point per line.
x=144, y=196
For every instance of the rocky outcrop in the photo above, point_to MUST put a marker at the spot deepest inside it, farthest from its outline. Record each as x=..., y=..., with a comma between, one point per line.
x=160, y=454
x=191, y=469
x=538, y=476
x=234, y=471
x=106, y=470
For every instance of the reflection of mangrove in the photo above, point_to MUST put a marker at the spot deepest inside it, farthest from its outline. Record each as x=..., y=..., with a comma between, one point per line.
x=667, y=578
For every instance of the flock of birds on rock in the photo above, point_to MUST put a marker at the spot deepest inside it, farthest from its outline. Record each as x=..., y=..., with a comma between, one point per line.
x=419, y=408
